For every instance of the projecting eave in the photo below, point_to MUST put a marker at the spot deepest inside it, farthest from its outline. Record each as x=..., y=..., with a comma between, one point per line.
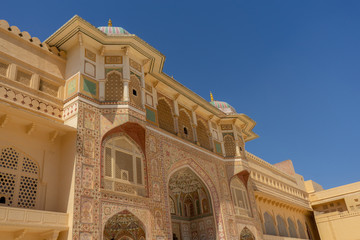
x=247, y=125
x=68, y=35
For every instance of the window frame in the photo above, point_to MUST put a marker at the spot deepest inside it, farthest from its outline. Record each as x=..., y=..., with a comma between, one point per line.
x=240, y=211
x=135, y=152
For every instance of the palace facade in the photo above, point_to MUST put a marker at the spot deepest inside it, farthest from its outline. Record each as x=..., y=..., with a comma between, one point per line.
x=96, y=142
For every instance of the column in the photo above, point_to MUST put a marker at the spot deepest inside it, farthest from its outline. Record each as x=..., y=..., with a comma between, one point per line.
x=194, y=125
x=35, y=81
x=176, y=117
x=142, y=88
x=126, y=97
x=126, y=79
x=102, y=90
x=210, y=136
x=12, y=71
x=237, y=149
x=237, y=146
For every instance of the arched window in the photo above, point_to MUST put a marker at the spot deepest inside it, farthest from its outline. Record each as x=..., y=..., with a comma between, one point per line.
x=185, y=126
x=135, y=90
x=301, y=230
x=240, y=197
x=270, y=228
x=189, y=206
x=165, y=116
x=172, y=206
x=246, y=234
x=19, y=179
x=308, y=231
x=123, y=166
x=281, y=226
x=292, y=228
x=203, y=135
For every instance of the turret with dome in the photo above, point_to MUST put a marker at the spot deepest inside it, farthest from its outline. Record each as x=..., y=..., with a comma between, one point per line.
x=223, y=106
x=113, y=31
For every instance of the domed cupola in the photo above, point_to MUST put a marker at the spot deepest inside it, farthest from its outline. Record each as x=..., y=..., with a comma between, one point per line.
x=113, y=31
x=223, y=106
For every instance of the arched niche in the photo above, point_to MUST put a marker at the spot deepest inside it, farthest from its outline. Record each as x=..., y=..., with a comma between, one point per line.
x=246, y=234
x=165, y=115
x=195, y=206
x=281, y=226
x=270, y=228
x=124, y=226
x=123, y=162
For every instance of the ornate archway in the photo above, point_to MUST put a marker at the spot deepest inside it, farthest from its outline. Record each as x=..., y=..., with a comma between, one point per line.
x=246, y=234
x=193, y=215
x=124, y=226
x=210, y=186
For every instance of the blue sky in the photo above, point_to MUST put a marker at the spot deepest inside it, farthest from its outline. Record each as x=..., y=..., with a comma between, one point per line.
x=292, y=66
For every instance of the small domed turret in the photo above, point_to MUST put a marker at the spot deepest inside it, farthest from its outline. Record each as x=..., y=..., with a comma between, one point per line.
x=113, y=31
x=223, y=106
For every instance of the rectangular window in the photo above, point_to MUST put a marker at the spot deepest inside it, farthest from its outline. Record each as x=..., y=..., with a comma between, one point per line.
x=124, y=161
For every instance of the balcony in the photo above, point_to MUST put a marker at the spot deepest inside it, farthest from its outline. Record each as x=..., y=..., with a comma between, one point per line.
x=21, y=223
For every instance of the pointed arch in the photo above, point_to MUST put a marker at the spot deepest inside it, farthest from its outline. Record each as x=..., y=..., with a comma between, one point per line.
x=240, y=197
x=292, y=228
x=246, y=234
x=165, y=115
x=207, y=180
x=135, y=90
x=282, y=226
x=301, y=229
x=270, y=228
x=123, y=165
x=203, y=134
x=185, y=125
x=124, y=225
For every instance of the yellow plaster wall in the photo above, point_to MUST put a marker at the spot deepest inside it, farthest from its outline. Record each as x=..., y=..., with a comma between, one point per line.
x=52, y=157
x=274, y=208
x=335, y=226
x=25, y=52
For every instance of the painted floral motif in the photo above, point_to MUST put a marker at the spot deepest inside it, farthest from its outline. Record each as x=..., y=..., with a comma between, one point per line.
x=89, y=120
x=86, y=210
x=88, y=177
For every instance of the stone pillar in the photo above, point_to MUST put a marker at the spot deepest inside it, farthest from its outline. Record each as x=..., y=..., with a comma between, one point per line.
x=126, y=97
x=12, y=71
x=176, y=117
x=142, y=88
x=237, y=149
x=194, y=125
x=221, y=140
x=126, y=78
x=196, y=140
x=154, y=94
x=237, y=144
x=102, y=90
x=176, y=124
x=35, y=81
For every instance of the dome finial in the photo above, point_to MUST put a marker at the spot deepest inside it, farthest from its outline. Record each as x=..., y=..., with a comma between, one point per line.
x=211, y=96
x=109, y=23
